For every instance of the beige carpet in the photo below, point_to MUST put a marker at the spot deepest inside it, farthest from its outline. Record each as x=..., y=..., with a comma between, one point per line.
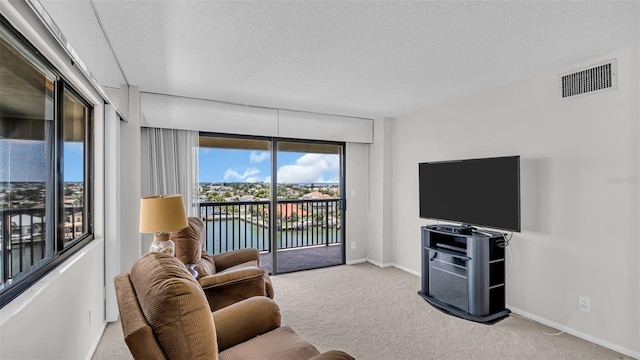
x=376, y=314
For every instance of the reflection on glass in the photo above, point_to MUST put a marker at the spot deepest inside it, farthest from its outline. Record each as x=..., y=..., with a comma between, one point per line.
x=26, y=161
x=75, y=120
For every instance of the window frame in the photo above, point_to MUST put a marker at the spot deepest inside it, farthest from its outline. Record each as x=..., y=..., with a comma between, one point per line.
x=87, y=217
x=11, y=289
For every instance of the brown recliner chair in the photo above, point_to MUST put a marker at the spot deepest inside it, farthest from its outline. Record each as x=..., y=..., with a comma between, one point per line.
x=226, y=278
x=165, y=315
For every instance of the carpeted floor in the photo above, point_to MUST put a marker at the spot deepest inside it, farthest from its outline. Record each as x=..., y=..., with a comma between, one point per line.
x=376, y=314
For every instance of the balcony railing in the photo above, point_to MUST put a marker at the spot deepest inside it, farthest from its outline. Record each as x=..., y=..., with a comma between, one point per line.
x=245, y=224
x=23, y=237
x=228, y=226
x=23, y=240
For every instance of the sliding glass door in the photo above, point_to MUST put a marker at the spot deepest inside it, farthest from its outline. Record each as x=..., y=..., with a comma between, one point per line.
x=234, y=193
x=283, y=198
x=308, y=217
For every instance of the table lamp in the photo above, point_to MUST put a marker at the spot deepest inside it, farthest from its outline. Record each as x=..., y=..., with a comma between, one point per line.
x=160, y=215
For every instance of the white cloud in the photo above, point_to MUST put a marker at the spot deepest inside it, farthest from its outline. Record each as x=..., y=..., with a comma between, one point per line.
x=249, y=173
x=311, y=168
x=254, y=179
x=258, y=156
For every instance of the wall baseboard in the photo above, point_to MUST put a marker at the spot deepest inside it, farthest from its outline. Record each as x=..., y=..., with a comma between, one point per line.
x=356, y=261
x=576, y=333
x=406, y=269
x=399, y=267
x=96, y=342
x=379, y=264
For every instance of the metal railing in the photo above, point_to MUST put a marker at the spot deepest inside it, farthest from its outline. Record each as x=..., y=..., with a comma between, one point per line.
x=228, y=226
x=246, y=224
x=23, y=240
x=23, y=237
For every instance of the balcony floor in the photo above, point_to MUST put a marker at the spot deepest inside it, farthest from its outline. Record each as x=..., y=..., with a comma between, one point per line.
x=296, y=259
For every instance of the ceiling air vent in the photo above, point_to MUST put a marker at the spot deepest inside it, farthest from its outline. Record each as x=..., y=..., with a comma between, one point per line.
x=595, y=78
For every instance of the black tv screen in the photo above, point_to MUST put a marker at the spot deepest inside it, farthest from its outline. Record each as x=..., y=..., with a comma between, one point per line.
x=480, y=192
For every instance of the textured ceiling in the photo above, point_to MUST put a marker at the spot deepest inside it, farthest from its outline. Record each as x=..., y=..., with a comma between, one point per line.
x=358, y=58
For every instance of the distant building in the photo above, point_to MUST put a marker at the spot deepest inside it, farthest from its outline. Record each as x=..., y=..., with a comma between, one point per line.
x=286, y=210
x=25, y=226
x=316, y=195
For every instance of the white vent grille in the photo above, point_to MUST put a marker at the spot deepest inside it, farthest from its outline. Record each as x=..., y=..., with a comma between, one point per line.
x=595, y=78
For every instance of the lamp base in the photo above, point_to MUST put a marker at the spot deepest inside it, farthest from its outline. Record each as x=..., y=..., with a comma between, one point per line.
x=162, y=244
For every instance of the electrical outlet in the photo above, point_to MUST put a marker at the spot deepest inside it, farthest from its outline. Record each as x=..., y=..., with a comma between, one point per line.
x=584, y=303
x=353, y=245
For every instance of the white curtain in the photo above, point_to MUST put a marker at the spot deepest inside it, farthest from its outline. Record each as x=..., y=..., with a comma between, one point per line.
x=173, y=165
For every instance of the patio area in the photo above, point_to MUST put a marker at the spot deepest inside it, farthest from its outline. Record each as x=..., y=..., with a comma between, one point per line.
x=296, y=259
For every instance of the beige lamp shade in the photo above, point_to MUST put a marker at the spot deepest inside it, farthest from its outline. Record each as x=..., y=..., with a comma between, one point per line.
x=162, y=214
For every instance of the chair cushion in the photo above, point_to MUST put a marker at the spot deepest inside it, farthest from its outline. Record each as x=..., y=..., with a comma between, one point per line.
x=189, y=241
x=281, y=343
x=175, y=307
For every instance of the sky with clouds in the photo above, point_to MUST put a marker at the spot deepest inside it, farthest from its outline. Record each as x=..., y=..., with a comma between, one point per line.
x=232, y=165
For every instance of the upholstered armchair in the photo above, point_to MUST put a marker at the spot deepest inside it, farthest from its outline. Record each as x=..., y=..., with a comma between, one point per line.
x=226, y=278
x=165, y=315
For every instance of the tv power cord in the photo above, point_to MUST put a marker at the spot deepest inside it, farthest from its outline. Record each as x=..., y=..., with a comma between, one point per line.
x=564, y=328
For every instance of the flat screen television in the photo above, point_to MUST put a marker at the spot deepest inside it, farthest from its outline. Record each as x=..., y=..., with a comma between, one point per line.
x=482, y=192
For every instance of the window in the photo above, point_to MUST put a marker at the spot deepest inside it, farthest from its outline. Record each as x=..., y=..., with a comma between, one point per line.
x=74, y=132
x=45, y=166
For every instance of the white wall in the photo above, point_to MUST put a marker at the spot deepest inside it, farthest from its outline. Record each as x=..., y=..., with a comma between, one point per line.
x=62, y=315
x=579, y=193
x=113, y=234
x=379, y=244
x=130, y=183
x=357, y=199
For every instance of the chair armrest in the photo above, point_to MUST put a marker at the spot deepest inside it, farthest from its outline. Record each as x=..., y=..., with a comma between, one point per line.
x=231, y=277
x=245, y=320
x=333, y=355
x=229, y=287
x=235, y=257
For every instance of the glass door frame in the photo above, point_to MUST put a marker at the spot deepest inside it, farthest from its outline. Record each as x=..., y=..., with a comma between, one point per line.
x=273, y=201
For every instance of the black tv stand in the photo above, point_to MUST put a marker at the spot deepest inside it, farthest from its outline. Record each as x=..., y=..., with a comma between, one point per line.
x=463, y=274
x=455, y=229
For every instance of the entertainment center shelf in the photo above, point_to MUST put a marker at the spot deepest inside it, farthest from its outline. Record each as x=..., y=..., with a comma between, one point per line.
x=463, y=272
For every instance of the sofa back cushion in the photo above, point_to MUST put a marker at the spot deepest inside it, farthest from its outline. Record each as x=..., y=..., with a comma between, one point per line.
x=175, y=307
